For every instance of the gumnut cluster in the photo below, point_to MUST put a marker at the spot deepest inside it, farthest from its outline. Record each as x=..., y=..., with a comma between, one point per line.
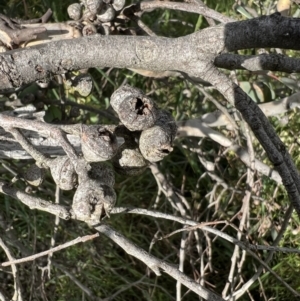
x=151, y=131
x=94, y=14
x=147, y=133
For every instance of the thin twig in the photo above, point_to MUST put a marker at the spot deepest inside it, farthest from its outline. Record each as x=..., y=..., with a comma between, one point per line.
x=17, y=285
x=167, y=190
x=35, y=202
x=188, y=7
x=53, y=237
x=196, y=129
x=52, y=250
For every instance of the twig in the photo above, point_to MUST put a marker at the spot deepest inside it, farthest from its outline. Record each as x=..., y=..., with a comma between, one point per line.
x=52, y=250
x=205, y=226
x=182, y=255
x=270, y=62
x=17, y=285
x=218, y=118
x=167, y=189
x=192, y=228
x=136, y=17
x=39, y=157
x=53, y=237
x=35, y=202
x=188, y=7
x=43, y=19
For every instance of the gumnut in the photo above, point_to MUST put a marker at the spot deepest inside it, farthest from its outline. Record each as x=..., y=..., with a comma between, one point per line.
x=135, y=110
x=93, y=200
x=63, y=172
x=118, y=4
x=34, y=175
x=156, y=142
x=129, y=160
x=98, y=143
x=74, y=11
x=93, y=6
x=106, y=14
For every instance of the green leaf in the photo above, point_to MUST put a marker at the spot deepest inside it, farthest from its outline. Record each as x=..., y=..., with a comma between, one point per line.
x=53, y=113
x=243, y=12
x=259, y=93
x=290, y=83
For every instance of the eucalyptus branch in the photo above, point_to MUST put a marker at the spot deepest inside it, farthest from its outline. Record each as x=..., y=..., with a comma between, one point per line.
x=193, y=127
x=43, y=128
x=147, y=53
x=271, y=62
x=156, y=264
x=198, y=8
x=244, y=219
x=51, y=250
x=161, y=57
x=35, y=202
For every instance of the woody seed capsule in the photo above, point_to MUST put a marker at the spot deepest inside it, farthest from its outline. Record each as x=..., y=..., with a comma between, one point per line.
x=129, y=160
x=63, y=172
x=92, y=200
x=98, y=143
x=74, y=11
x=156, y=142
x=135, y=110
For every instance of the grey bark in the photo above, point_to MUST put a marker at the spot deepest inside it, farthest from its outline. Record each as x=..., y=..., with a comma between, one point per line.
x=188, y=54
